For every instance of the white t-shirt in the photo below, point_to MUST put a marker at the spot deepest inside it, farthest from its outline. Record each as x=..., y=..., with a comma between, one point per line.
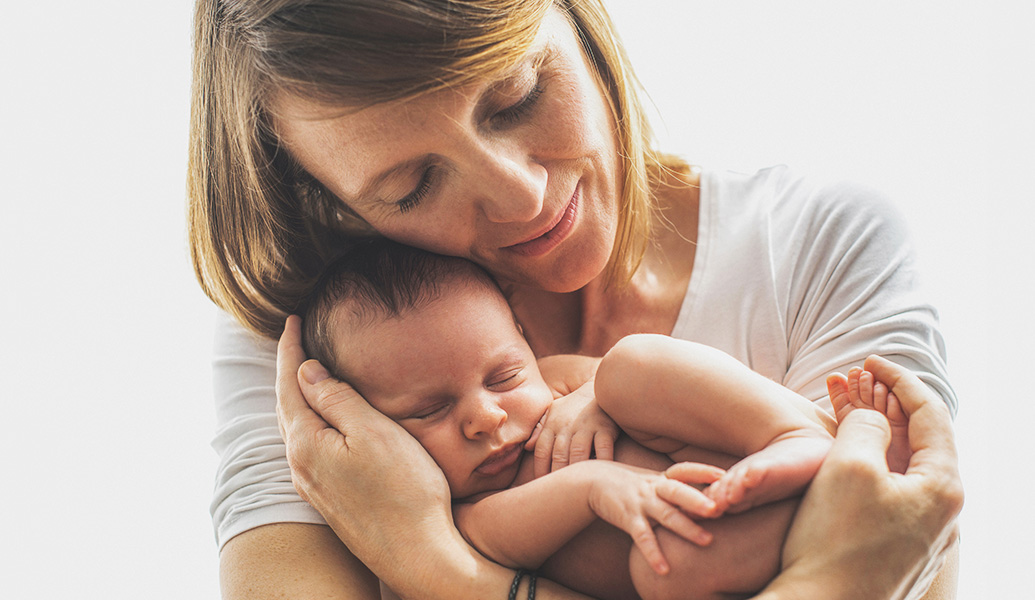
x=795, y=278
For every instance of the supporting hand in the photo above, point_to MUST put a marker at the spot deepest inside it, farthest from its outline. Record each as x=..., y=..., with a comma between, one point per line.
x=863, y=532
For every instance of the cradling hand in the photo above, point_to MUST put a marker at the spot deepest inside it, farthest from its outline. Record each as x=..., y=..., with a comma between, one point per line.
x=348, y=459
x=863, y=524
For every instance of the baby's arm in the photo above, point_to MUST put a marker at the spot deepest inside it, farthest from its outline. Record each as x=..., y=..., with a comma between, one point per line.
x=671, y=394
x=525, y=525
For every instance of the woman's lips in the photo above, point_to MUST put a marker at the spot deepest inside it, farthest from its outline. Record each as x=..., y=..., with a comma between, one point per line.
x=558, y=231
x=500, y=461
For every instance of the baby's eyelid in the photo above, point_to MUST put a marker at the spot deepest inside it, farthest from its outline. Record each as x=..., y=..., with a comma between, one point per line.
x=428, y=412
x=510, y=377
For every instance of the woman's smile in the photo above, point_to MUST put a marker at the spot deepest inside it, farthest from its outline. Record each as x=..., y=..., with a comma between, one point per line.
x=556, y=233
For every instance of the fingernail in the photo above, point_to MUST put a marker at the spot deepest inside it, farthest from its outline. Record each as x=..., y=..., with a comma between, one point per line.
x=313, y=372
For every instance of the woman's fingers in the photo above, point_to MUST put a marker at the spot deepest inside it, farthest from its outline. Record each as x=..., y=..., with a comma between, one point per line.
x=862, y=440
x=931, y=436
x=337, y=402
x=292, y=408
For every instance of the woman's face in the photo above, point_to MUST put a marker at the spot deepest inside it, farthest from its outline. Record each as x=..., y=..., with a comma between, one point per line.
x=519, y=174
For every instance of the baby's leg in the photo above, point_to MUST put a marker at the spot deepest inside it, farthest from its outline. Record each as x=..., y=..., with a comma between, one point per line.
x=780, y=470
x=862, y=389
x=668, y=393
x=743, y=556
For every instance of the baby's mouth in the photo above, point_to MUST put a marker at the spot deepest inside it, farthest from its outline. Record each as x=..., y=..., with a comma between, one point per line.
x=500, y=460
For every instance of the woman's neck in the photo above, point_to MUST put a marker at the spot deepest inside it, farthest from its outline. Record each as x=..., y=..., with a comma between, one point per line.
x=591, y=320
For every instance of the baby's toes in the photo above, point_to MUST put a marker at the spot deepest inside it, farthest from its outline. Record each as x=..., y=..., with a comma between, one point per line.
x=854, y=393
x=837, y=389
x=866, y=388
x=717, y=492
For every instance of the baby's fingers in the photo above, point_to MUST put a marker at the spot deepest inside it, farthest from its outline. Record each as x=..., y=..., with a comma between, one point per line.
x=561, y=451
x=581, y=446
x=604, y=445
x=687, y=498
x=671, y=518
x=644, y=539
x=543, y=453
x=691, y=473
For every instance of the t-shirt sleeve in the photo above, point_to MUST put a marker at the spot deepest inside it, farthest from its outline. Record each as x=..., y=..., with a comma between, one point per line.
x=253, y=481
x=852, y=289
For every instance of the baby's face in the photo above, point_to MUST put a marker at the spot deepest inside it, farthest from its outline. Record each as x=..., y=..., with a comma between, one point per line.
x=458, y=375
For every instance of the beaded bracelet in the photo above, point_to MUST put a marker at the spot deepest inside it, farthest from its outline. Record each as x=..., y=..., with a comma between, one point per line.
x=521, y=573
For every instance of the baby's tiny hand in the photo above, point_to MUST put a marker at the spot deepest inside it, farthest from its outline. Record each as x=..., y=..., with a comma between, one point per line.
x=634, y=499
x=572, y=430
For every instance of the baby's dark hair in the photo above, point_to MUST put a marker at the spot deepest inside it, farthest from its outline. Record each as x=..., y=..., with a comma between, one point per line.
x=381, y=279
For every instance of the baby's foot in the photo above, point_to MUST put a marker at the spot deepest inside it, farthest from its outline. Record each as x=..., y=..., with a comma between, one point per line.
x=780, y=470
x=862, y=390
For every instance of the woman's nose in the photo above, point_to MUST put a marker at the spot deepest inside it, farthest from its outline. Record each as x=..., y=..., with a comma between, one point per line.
x=511, y=188
x=483, y=417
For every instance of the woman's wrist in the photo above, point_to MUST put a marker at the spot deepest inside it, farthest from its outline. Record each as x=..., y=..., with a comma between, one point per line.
x=461, y=572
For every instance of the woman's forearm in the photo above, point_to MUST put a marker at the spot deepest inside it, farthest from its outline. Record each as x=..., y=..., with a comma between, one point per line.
x=292, y=560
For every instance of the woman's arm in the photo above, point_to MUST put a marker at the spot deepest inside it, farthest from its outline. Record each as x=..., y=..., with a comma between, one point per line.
x=274, y=544
x=292, y=560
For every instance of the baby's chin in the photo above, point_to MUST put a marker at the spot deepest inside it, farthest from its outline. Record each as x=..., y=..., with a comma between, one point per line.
x=477, y=487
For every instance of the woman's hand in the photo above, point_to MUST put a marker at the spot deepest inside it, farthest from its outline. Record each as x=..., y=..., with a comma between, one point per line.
x=863, y=532
x=374, y=484
x=634, y=499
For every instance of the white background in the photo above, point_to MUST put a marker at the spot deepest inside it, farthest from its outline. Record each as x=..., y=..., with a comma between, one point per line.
x=107, y=410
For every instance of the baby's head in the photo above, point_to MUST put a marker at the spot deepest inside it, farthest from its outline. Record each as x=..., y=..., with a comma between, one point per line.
x=431, y=342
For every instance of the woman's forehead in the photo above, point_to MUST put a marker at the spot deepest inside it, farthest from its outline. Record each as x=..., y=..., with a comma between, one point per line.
x=286, y=105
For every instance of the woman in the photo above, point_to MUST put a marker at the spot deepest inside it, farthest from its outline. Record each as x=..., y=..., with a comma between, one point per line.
x=507, y=132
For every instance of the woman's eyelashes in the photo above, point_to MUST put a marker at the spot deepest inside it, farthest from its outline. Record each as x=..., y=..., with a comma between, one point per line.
x=522, y=108
x=419, y=193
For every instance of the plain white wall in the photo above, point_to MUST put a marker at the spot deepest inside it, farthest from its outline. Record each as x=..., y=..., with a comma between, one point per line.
x=106, y=340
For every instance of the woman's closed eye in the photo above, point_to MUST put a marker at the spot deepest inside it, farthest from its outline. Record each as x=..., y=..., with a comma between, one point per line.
x=522, y=108
x=419, y=193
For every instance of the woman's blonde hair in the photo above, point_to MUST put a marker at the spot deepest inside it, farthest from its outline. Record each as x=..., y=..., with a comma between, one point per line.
x=261, y=229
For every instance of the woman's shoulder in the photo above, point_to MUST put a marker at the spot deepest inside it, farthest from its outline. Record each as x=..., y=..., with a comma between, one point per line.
x=790, y=202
